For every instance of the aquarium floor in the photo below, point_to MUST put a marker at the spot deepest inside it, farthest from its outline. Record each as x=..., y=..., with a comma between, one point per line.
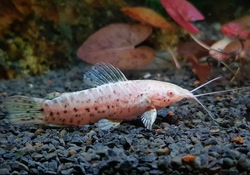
x=184, y=139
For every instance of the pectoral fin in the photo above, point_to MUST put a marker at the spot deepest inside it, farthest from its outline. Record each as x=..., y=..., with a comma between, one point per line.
x=105, y=124
x=148, y=118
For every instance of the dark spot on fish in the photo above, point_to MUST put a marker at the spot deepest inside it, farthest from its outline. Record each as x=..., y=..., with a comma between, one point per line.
x=32, y=118
x=78, y=122
x=51, y=113
x=71, y=120
x=58, y=113
x=76, y=115
x=65, y=111
x=77, y=101
x=31, y=106
x=53, y=118
x=168, y=99
x=92, y=115
x=63, y=120
x=46, y=104
x=114, y=92
x=27, y=111
x=130, y=95
x=75, y=109
x=164, y=100
x=87, y=109
x=88, y=100
x=108, y=106
x=103, y=111
x=117, y=100
x=41, y=109
x=96, y=108
x=65, y=106
x=113, y=106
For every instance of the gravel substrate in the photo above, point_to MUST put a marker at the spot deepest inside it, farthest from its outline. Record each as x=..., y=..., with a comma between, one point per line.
x=183, y=140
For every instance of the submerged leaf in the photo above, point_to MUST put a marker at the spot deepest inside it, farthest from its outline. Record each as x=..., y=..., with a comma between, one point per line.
x=201, y=69
x=183, y=13
x=192, y=48
x=239, y=28
x=116, y=43
x=192, y=51
x=147, y=16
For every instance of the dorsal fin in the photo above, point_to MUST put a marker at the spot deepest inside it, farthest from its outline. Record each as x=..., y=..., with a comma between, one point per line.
x=103, y=73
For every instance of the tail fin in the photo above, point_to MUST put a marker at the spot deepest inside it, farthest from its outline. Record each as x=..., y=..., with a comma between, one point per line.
x=24, y=110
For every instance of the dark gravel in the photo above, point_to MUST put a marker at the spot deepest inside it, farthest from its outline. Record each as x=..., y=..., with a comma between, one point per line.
x=180, y=130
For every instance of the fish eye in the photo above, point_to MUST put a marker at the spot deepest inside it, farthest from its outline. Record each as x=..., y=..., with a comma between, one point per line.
x=170, y=93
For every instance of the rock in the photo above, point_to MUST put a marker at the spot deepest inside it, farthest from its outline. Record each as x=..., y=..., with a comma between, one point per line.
x=50, y=156
x=22, y=166
x=37, y=156
x=87, y=156
x=23, y=172
x=67, y=171
x=243, y=164
x=233, y=154
x=4, y=171
x=228, y=162
x=148, y=158
x=53, y=165
x=233, y=171
x=176, y=161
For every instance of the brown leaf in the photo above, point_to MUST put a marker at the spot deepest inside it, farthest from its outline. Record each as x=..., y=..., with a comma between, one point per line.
x=116, y=43
x=147, y=16
x=201, y=69
x=192, y=48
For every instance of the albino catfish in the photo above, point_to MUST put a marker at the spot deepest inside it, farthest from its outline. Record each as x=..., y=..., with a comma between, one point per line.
x=112, y=100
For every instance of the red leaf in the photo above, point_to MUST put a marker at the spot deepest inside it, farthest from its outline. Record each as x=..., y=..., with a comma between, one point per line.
x=116, y=43
x=239, y=28
x=202, y=70
x=183, y=13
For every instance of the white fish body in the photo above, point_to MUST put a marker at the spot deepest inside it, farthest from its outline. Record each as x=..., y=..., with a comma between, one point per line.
x=114, y=98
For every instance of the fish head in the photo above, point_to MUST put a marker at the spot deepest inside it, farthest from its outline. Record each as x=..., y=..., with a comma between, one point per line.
x=166, y=94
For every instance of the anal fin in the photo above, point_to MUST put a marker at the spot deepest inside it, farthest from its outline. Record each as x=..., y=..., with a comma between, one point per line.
x=105, y=124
